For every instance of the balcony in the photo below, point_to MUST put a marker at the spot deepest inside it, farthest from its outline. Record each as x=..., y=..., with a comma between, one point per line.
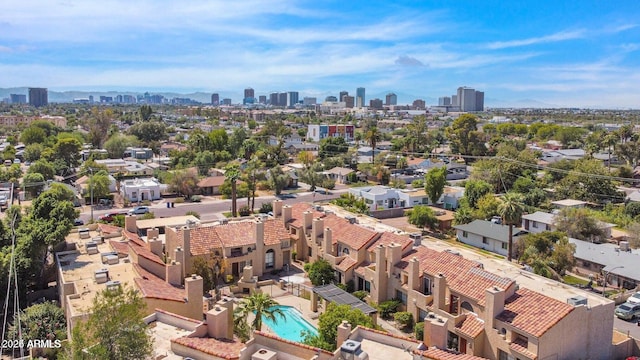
x=236, y=253
x=285, y=244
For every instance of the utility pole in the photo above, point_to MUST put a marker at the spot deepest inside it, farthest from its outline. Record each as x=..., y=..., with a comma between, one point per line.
x=91, y=189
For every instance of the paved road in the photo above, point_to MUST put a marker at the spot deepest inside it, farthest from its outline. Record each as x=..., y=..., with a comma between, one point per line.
x=213, y=209
x=630, y=327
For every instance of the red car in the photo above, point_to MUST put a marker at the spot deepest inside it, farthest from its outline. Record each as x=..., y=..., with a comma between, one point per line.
x=111, y=216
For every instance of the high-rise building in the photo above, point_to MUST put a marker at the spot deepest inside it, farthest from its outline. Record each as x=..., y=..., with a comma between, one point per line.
x=273, y=99
x=470, y=99
x=331, y=98
x=419, y=104
x=308, y=101
x=360, y=97
x=292, y=98
x=226, y=101
x=215, y=99
x=444, y=101
x=18, y=98
x=375, y=104
x=348, y=101
x=249, y=96
x=342, y=95
x=391, y=99
x=262, y=99
x=282, y=99
x=38, y=97
x=454, y=100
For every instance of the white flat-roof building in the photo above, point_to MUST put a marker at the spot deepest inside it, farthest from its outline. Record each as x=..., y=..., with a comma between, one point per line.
x=141, y=189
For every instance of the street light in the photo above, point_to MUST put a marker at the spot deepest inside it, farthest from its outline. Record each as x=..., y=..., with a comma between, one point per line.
x=606, y=274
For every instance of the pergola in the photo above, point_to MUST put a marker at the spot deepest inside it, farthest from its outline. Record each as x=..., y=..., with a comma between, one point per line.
x=332, y=293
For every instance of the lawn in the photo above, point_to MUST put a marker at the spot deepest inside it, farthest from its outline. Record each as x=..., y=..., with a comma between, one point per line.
x=572, y=280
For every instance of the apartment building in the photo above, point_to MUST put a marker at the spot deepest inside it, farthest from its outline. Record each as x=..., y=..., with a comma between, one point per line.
x=319, y=132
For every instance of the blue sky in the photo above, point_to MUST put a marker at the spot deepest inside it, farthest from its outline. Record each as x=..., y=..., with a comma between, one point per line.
x=561, y=53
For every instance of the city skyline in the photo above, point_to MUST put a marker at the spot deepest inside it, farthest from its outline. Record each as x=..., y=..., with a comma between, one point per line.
x=569, y=54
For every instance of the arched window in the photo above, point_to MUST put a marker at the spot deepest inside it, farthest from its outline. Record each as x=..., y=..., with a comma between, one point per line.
x=270, y=259
x=345, y=251
x=466, y=306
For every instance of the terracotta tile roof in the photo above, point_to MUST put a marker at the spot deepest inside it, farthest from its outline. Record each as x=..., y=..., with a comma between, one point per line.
x=202, y=240
x=297, y=217
x=439, y=354
x=236, y=234
x=471, y=326
x=360, y=269
x=225, y=349
x=109, y=229
x=533, y=312
x=366, y=329
x=388, y=237
x=434, y=262
x=211, y=181
x=274, y=231
x=153, y=287
x=520, y=345
x=346, y=264
x=352, y=235
x=145, y=253
x=133, y=237
x=275, y=337
x=121, y=247
x=475, y=281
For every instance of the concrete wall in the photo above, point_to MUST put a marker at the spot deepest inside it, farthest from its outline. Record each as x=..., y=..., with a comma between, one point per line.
x=387, y=213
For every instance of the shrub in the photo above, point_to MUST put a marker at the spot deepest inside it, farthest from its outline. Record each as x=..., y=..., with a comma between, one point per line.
x=351, y=286
x=418, y=331
x=191, y=212
x=361, y=294
x=146, y=202
x=294, y=255
x=178, y=200
x=244, y=211
x=403, y=318
x=329, y=184
x=342, y=286
x=196, y=198
x=229, y=279
x=386, y=308
x=307, y=267
x=265, y=208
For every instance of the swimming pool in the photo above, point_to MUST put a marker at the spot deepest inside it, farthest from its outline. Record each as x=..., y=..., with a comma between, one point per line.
x=290, y=327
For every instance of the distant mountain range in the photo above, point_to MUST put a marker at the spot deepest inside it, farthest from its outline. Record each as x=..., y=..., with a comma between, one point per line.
x=205, y=97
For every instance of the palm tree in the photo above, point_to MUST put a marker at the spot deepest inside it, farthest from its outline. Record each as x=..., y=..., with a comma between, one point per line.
x=262, y=305
x=232, y=173
x=373, y=136
x=511, y=209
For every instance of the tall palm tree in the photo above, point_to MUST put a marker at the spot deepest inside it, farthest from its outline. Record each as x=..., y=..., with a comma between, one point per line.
x=232, y=173
x=373, y=136
x=511, y=209
x=262, y=305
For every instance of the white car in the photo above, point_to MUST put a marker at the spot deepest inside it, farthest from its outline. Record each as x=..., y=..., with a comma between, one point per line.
x=635, y=298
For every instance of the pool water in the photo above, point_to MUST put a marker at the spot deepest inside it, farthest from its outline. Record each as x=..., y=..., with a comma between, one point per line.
x=291, y=327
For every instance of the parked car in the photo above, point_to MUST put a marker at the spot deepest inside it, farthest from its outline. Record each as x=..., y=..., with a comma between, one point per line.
x=634, y=299
x=139, y=210
x=628, y=311
x=286, y=196
x=111, y=216
x=78, y=222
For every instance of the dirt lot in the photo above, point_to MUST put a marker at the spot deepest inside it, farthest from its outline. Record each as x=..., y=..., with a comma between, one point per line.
x=401, y=223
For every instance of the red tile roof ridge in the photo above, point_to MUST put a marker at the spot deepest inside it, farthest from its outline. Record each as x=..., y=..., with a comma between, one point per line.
x=158, y=310
x=133, y=237
x=275, y=337
x=435, y=353
x=521, y=346
x=212, y=346
x=149, y=285
x=350, y=234
x=363, y=328
x=471, y=326
x=145, y=253
x=388, y=237
x=121, y=247
x=109, y=229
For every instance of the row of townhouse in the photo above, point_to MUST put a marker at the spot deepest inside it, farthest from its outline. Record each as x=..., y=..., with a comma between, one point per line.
x=465, y=307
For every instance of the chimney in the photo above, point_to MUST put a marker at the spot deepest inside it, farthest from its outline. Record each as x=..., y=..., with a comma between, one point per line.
x=287, y=214
x=344, y=330
x=247, y=273
x=494, y=305
x=439, y=291
x=307, y=218
x=194, y=287
x=277, y=208
x=316, y=229
x=130, y=223
x=155, y=245
x=173, y=273
x=394, y=254
x=258, y=258
x=379, y=281
x=218, y=322
x=153, y=233
x=178, y=257
x=414, y=274
x=436, y=332
x=186, y=247
x=327, y=241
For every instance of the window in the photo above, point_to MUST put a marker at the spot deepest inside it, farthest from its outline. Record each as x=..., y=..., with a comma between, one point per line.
x=504, y=246
x=422, y=314
x=405, y=278
x=134, y=195
x=453, y=342
x=466, y=307
x=464, y=234
x=401, y=296
x=504, y=356
x=426, y=285
x=345, y=251
x=484, y=240
x=534, y=224
x=152, y=193
x=367, y=286
x=270, y=259
x=294, y=231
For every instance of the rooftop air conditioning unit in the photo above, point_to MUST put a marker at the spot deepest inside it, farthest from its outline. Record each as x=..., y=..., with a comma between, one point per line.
x=577, y=300
x=264, y=354
x=351, y=350
x=352, y=219
x=624, y=246
x=224, y=221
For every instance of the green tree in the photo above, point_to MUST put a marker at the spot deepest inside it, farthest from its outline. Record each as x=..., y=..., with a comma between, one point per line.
x=33, y=135
x=118, y=143
x=464, y=136
x=321, y=273
x=579, y=224
x=33, y=152
x=434, y=182
x=373, y=136
x=99, y=184
x=463, y=215
x=511, y=209
x=474, y=190
x=184, y=182
x=211, y=268
x=487, y=207
x=145, y=112
x=278, y=179
x=232, y=174
x=33, y=183
x=262, y=306
x=328, y=325
x=68, y=150
x=45, y=321
x=312, y=176
x=251, y=175
x=204, y=161
x=332, y=146
x=581, y=184
x=423, y=216
x=43, y=167
x=548, y=253
x=149, y=131
x=114, y=330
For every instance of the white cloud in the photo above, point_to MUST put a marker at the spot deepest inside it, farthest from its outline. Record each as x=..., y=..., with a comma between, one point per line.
x=559, y=36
